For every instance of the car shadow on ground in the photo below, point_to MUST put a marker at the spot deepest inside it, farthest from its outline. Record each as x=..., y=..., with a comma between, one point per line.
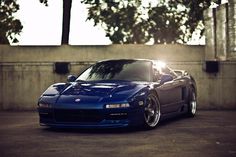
x=161, y=125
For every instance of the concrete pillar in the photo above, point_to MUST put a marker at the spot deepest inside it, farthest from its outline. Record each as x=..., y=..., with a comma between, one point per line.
x=232, y=29
x=209, y=20
x=221, y=32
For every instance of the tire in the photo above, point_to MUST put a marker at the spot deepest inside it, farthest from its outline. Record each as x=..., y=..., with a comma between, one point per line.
x=192, y=103
x=152, y=112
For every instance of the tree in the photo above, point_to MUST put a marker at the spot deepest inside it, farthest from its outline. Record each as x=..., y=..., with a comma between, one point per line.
x=66, y=19
x=9, y=26
x=132, y=21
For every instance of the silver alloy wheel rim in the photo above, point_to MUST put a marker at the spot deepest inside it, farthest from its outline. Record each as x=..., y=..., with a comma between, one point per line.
x=152, y=112
x=193, y=104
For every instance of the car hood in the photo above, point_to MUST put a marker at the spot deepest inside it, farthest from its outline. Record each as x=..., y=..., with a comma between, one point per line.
x=100, y=92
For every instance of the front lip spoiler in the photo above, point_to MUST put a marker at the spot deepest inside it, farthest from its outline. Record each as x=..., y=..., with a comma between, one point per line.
x=85, y=126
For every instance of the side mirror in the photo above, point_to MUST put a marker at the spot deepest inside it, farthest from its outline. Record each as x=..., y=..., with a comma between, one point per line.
x=166, y=78
x=71, y=78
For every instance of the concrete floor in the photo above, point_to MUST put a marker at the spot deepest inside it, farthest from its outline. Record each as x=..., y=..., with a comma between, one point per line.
x=209, y=134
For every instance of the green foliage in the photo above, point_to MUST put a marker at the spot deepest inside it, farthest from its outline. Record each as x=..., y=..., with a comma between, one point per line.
x=45, y=2
x=193, y=13
x=9, y=26
x=130, y=21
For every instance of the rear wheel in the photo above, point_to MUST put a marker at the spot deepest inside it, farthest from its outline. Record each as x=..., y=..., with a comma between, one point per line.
x=152, y=111
x=192, y=105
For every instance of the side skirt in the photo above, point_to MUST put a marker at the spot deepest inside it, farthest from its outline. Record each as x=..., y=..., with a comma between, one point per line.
x=182, y=110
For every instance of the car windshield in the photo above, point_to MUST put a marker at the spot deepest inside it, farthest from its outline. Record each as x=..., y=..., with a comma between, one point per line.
x=130, y=70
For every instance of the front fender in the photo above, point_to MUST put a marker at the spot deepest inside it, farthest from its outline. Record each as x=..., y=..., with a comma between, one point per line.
x=55, y=89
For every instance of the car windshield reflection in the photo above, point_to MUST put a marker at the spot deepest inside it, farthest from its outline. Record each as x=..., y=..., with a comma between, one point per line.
x=127, y=70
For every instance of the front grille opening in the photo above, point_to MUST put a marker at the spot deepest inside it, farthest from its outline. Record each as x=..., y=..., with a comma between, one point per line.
x=46, y=115
x=117, y=116
x=78, y=115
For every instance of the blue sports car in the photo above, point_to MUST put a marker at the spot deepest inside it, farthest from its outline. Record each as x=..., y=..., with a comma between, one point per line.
x=119, y=93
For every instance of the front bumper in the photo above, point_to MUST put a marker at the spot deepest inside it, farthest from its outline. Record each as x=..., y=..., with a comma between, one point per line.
x=99, y=118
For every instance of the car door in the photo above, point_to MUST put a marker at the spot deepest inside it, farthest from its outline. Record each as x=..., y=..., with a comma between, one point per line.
x=170, y=92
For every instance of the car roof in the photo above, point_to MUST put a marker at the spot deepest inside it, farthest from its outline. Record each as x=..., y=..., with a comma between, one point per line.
x=128, y=60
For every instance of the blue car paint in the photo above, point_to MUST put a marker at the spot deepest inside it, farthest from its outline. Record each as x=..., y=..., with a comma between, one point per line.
x=94, y=96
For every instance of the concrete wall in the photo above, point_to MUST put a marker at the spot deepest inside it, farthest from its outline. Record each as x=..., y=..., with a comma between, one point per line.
x=220, y=32
x=25, y=72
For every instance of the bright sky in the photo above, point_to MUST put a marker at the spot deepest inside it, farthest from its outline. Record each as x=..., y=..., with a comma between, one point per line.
x=43, y=25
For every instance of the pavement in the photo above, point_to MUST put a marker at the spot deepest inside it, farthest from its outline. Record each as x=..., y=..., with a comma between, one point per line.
x=209, y=134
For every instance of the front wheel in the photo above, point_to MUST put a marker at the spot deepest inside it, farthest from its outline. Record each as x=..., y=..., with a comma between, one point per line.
x=152, y=111
x=192, y=105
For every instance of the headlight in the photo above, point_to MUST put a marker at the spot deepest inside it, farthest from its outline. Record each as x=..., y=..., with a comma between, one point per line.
x=44, y=105
x=124, y=105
